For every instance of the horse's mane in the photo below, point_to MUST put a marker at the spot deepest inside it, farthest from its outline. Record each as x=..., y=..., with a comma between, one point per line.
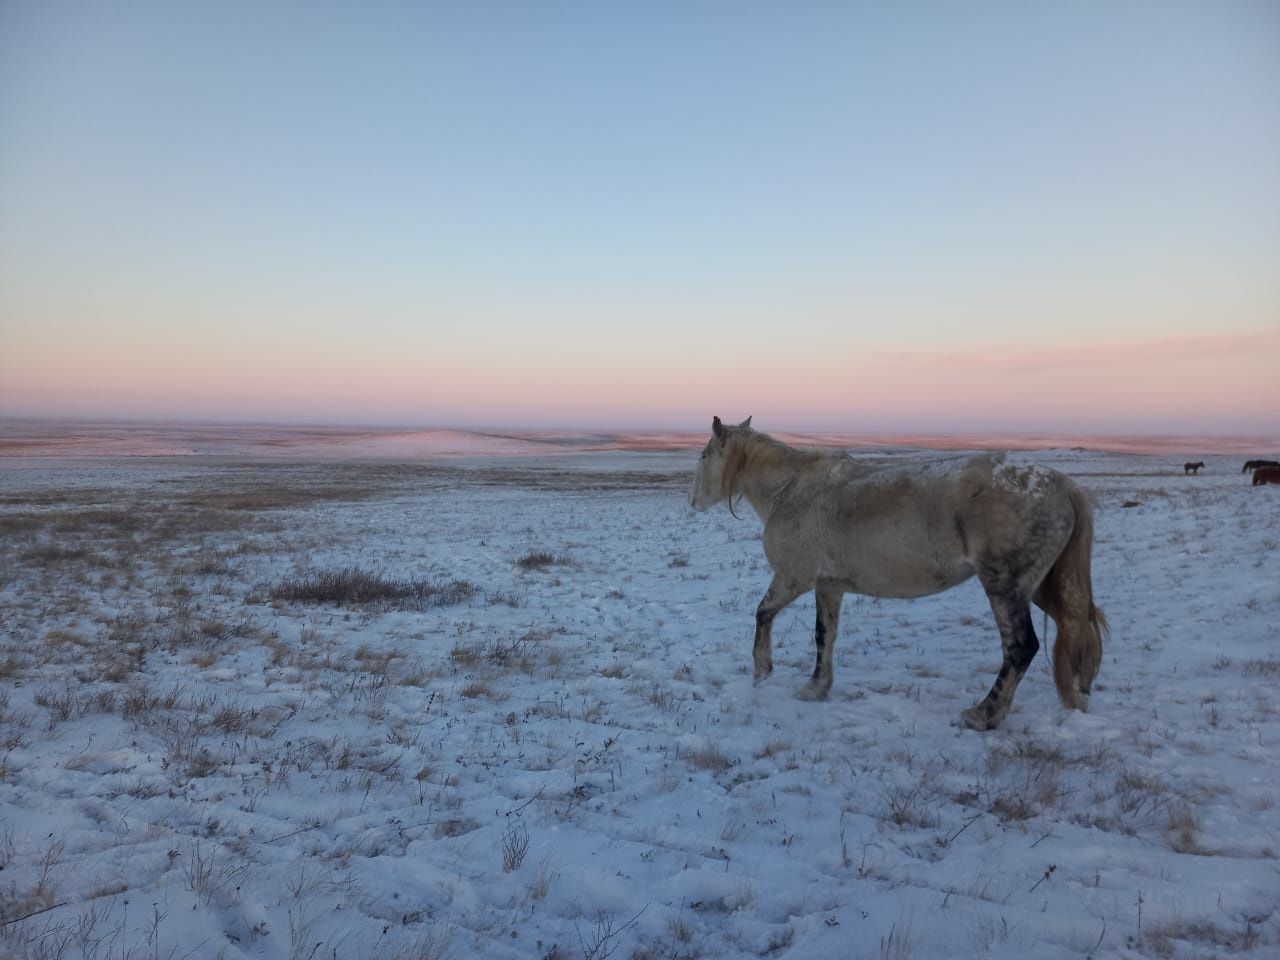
x=750, y=452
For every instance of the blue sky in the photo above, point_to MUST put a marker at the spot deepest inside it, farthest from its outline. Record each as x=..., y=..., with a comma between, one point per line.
x=542, y=213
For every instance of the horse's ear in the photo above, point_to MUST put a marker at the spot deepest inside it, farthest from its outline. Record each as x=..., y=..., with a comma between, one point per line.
x=717, y=427
x=745, y=424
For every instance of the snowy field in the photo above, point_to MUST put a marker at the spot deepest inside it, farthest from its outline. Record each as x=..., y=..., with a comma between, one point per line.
x=503, y=709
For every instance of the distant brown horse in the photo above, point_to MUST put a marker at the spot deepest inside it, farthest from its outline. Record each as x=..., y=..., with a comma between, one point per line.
x=1254, y=464
x=1265, y=475
x=1193, y=468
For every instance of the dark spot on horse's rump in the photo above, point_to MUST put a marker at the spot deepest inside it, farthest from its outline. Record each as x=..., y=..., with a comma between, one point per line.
x=964, y=540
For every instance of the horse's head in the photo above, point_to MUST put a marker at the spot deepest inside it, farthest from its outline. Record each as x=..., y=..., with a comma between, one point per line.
x=708, y=482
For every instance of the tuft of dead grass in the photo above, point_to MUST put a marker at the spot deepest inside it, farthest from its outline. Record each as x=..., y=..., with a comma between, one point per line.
x=515, y=846
x=908, y=807
x=540, y=560
x=1263, y=668
x=352, y=587
x=710, y=757
x=1184, y=829
x=476, y=689
x=1163, y=937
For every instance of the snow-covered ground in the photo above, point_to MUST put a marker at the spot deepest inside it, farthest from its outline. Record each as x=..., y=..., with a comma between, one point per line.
x=550, y=745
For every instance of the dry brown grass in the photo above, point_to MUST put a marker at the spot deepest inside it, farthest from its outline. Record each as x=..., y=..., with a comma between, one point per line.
x=1262, y=668
x=456, y=826
x=65, y=638
x=515, y=846
x=476, y=689
x=1184, y=828
x=101, y=529
x=61, y=703
x=19, y=901
x=772, y=748
x=710, y=757
x=540, y=560
x=909, y=807
x=1163, y=937
x=352, y=587
x=273, y=496
x=48, y=554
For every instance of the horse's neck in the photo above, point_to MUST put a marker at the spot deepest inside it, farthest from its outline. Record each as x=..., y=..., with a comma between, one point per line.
x=764, y=484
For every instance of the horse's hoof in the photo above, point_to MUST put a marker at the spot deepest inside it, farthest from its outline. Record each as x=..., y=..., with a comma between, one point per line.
x=811, y=691
x=977, y=718
x=1076, y=700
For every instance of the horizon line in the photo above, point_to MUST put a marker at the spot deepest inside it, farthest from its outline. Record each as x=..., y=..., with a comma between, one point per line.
x=566, y=426
x=396, y=426
x=520, y=432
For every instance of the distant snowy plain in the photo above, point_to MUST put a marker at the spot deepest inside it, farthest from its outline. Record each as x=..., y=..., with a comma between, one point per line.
x=549, y=745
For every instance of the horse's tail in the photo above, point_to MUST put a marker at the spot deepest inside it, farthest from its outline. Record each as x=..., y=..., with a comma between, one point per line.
x=1067, y=596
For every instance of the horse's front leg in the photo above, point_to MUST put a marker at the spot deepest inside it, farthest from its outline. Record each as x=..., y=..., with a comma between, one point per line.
x=828, y=599
x=780, y=593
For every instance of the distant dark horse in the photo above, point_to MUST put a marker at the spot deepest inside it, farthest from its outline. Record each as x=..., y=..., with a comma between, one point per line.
x=1254, y=464
x=1192, y=467
x=1264, y=475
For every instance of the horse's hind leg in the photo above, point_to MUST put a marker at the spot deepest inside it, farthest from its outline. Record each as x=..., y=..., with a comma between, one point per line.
x=780, y=593
x=824, y=640
x=1018, y=638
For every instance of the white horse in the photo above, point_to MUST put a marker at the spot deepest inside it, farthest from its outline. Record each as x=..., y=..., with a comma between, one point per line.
x=833, y=525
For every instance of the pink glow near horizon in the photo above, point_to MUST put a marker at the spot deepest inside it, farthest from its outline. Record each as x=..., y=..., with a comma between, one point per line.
x=1203, y=382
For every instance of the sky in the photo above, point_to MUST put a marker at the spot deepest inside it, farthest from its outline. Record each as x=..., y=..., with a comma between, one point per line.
x=832, y=216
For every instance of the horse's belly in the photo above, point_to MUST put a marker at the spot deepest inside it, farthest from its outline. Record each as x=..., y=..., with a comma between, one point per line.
x=898, y=566
x=901, y=582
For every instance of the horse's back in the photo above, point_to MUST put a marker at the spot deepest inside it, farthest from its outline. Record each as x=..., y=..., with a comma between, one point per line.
x=879, y=531
x=917, y=529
